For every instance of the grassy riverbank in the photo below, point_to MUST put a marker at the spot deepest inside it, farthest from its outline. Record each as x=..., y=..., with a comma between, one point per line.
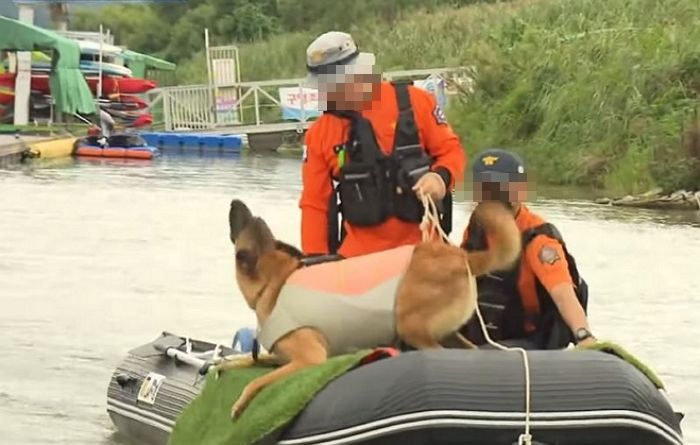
x=591, y=92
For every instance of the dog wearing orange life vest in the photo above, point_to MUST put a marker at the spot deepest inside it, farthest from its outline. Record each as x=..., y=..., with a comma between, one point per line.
x=433, y=296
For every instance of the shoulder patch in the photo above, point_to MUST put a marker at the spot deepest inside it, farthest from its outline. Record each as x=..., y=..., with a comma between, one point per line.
x=548, y=255
x=304, y=154
x=439, y=115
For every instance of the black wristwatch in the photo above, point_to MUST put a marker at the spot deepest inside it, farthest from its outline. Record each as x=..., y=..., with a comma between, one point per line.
x=582, y=334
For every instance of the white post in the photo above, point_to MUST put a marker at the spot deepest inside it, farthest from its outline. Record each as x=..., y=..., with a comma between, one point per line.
x=99, y=71
x=24, y=72
x=62, y=24
x=206, y=49
x=239, y=91
x=257, y=105
x=301, y=103
x=210, y=76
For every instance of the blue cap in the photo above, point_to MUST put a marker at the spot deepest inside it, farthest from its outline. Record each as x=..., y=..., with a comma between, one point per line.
x=498, y=165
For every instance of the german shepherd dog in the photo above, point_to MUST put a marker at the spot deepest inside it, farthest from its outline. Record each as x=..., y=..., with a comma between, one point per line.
x=436, y=294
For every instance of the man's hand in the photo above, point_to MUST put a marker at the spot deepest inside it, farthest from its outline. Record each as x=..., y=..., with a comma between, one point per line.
x=430, y=184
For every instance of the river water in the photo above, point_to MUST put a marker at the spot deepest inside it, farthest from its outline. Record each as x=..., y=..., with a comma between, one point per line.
x=99, y=257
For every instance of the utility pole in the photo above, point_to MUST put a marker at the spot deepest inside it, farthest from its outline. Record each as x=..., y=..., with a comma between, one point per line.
x=23, y=77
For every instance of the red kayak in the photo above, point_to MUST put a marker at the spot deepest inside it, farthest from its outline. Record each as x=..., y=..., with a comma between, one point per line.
x=135, y=101
x=117, y=85
x=7, y=96
x=132, y=118
x=110, y=84
x=142, y=121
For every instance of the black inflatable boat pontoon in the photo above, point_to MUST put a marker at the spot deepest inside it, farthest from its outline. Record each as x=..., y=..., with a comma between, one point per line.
x=421, y=397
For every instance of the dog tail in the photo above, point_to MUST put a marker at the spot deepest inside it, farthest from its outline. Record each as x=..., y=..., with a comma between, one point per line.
x=504, y=246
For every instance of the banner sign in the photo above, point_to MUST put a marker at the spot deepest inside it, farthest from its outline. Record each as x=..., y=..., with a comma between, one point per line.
x=291, y=99
x=291, y=102
x=224, y=73
x=437, y=87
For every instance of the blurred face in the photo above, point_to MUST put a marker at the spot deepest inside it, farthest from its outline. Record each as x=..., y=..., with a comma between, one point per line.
x=513, y=192
x=349, y=92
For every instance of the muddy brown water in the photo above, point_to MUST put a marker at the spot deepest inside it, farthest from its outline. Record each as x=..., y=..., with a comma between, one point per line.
x=98, y=257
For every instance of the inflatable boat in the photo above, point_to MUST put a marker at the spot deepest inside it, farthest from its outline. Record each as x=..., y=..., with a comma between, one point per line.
x=439, y=397
x=130, y=146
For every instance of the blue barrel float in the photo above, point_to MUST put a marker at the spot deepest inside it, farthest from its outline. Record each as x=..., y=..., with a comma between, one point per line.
x=193, y=143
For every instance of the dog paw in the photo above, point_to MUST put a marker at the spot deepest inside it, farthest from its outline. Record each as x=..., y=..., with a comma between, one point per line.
x=216, y=371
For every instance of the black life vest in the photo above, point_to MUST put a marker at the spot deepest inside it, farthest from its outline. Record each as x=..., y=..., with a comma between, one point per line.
x=503, y=308
x=372, y=186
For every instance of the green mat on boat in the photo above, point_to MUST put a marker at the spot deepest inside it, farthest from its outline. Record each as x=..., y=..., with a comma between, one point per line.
x=615, y=349
x=207, y=419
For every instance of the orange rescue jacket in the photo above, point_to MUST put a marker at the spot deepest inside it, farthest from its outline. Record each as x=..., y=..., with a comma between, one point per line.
x=321, y=164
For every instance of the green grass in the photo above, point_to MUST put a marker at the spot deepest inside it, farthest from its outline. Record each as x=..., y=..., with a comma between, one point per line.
x=591, y=92
x=206, y=420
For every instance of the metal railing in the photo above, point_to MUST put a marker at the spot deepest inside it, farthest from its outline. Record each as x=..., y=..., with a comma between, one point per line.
x=188, y=107
x=193, y=107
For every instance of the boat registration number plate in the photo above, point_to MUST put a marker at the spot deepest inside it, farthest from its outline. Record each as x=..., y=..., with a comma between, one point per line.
x=149, y=388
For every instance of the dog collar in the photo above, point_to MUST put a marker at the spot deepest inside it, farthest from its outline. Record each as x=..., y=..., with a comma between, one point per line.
x=318, y=259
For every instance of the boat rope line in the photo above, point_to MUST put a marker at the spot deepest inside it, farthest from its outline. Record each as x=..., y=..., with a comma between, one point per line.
x=414, y=421
x=429, y=225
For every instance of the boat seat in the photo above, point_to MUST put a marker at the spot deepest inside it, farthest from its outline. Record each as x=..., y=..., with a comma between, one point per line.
x=166, y=342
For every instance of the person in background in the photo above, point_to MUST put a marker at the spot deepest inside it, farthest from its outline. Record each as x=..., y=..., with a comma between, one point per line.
x=541, y=302
x=384, y=144
x=106, y=127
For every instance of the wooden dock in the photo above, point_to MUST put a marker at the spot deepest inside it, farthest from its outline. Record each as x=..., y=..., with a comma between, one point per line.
x=252, y=129
x=12, y=149
x=268, y=136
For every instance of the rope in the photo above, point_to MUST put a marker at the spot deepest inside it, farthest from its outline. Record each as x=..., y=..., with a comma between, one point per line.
x=431, y=224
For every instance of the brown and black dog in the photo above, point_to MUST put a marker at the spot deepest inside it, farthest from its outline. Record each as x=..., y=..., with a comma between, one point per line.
x=436, y=294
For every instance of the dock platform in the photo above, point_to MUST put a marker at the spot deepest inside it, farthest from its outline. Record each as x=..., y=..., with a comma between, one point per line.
x=12, y=148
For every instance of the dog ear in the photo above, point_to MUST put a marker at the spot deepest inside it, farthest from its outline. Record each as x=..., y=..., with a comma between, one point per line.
x=246, y=262
x=239, y=216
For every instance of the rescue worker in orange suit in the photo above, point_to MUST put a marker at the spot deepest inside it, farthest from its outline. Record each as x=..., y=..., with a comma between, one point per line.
x=541, y=302
x=385, y=144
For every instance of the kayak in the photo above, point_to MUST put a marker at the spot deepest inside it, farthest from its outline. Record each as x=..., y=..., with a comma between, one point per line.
x=438, y=397
x=131, y=118
x=93, y=48
x=7, y=95
x=142, y=121
x=88, y=67
x=110, y=84
x=123, y=102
